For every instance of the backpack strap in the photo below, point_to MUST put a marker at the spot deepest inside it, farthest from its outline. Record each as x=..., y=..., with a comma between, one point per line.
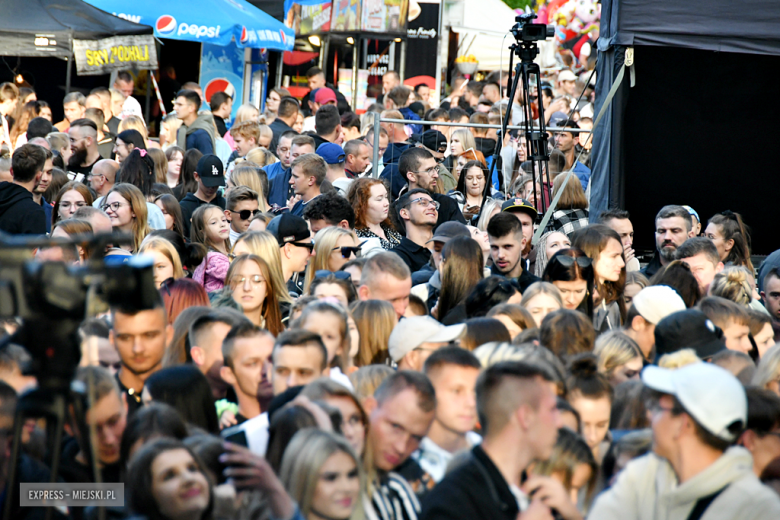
x=703, y=503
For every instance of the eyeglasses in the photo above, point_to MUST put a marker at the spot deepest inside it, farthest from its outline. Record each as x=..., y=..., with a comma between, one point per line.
x=430, y=171
x=307, y=245
x=67, y=205
x=341, y=275
x=424, y=203
x=348, y=251
x=91, y=175
x=654, y=406
x=239, y=281
x=114, y=206
x=568, y=261
x=245, y=214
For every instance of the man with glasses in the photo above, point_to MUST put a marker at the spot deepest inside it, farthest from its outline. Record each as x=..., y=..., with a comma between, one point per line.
x=296, y=247
x=240, y=207
x=420, y=169
x=280, y=189
x=695, y=471
x=418, y=212
x=102, y=178
x=84, y=146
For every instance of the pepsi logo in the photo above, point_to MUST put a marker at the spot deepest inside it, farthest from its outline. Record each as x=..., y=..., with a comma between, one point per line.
x=165, y=25
x=219, y=85
x=284, y=38
x=244, y=35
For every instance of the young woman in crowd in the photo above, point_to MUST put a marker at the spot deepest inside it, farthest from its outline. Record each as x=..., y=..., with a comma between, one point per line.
x=549, y=244
x=169, y=127
x=125, y=205
x=155, y=420
x=461, y=269
x=464, y=159
x=482, y=238
x=635, y=282
x=573, y=465
x=571, y=213
x=733, y=283
x=488, y=293
x=171, y=211
x=323, y=475
x=369, y=199
x=572, y=273
x=71, y=254
x=768, y=371
x=133, y=122
x=169, y=482
x=603, y=246
x=265, y=245
x=540, y=299
x=461, y=141
x=250, y=175
x=375, y=320
x=191, y=254
x=590, y=393
x=186, y=389
x=515, y=318
x=253, y=288
x=333, y=247
x=731, y=238
x=330, y=321
x=471, y=184
x=167, y=263
x=483, y=330
x=567, y=333
x=138, y=170
x=160, y=166
x=491, y=208
x=761, y=330
x=175, y=157
x=210, y=228
x=178, y=350
x=334, y=285
x=619, y=357
x=69, y=199
x=354, y=424
x=186, y=182
x=678, y=275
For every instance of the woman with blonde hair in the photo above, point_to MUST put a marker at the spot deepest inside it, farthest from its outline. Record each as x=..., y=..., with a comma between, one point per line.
x=733, y=283
x=252, y=287
x=491, y=208
x=246, y=112
x=540, y=299
x=167, y=263
x=571, y=213
x=250, y=175
x=261, y=156
x=125, y=205
x=375, y=320
x=619, y=357
x=309, y=461
x=136, y=123
x=333, y=247
x=768, y=370
x=461, y=141
x=264, y=245
x=169, y=127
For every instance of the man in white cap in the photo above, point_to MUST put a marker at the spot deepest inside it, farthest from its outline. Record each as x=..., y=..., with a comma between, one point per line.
x=695, y=471
x=413, y=340
x=567, y=82
x=650, y=305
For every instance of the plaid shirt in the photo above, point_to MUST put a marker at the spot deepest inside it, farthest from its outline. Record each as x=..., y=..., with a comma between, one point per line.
x=568, y=221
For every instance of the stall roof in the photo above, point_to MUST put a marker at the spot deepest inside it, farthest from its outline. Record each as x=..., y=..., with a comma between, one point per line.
x=48, y=27
x=206, y=21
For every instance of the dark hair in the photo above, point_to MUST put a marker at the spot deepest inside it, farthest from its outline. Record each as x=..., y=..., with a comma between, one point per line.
x=302, y=338
x=187, y=173
x=332, y=208
x=288, y=106
x=27, y=161
x=451, y=356
x=191, y=96
x=191, y=254
x=505, y=224
x=158, y=188
x=567, y=333
x=346, y=285
x=461, y=272
x=217, y=99
x=488, y=293
x=404, y=379
x=153, y=420
x=172, y=207
x=695, y=246
x=327, y=119
x=185, y=388
x=733, y=228
x=461, y=186
x=133, y=137
x=437, y=114
x=592, y=240
x=314, y=71
x=284, y=425
x=763, y=410
x=633, y=444
x=141, y=500
x=350, y=120
x=679, y=277
x=556, y=271
x=39, y=127
x=628, y=406
x=483, y=330
x=614, y=213
x=586, y=380
x=410, y=160
x=563, y=406
x=137, y=170
x=673, y=210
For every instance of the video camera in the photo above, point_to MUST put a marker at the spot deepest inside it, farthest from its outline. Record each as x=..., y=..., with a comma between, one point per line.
x=53, y=298
x=531, y=32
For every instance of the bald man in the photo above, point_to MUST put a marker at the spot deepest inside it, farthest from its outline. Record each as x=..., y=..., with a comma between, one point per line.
x=103, y=176
x=100, y=222
x=40, y=141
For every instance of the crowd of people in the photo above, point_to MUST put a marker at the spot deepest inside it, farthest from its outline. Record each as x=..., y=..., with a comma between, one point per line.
x=336, y=339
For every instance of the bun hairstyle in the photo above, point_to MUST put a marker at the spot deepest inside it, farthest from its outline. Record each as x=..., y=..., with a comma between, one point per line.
x=733, y=228
x=585, y=380
x=733, y=283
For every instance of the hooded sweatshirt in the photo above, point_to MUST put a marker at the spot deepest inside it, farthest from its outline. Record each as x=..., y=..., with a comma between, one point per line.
x=390, y=174
x=648, y=490
x=201, y=134
x=19, y=214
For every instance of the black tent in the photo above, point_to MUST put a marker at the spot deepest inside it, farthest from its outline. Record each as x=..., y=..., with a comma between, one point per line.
x=274, y=8
x=699, y=127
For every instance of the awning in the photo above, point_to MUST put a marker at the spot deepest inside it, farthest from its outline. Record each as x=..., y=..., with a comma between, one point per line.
x=206, y=21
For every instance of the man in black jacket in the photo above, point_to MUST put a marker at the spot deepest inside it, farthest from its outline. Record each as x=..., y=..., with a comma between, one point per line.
x=420, y=169
x=517, y=410
x=19, y=214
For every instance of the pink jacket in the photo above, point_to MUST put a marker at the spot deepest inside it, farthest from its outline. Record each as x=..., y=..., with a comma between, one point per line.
x=212, y=271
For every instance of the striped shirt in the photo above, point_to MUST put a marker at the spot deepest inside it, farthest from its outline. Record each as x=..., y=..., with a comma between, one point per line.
x=393, y=499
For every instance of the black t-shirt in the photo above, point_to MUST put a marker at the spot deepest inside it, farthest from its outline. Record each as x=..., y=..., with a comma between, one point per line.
x=133, y=398
x=221, y=127
x=85, y=170
x=415, y=256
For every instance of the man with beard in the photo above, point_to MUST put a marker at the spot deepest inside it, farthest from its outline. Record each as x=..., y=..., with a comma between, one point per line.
x=566, y=142
x=419, y=168
x=42, y=186
x=206, y=336
x=673, y=226
x=84, y=146
x=418, y=213
x=247, y=353
x=506, y=246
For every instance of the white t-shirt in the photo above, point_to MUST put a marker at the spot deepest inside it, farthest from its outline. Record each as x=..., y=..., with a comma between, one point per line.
x=434, y=459
x=131, y=107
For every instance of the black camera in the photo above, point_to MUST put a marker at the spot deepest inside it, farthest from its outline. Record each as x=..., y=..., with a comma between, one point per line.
x=531, y=32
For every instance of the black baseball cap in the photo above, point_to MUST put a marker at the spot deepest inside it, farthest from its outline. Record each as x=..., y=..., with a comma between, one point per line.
x=522, y=205
x=211, y=171
x=288, y=228
x=449, y=230
x=688, y=329
x=432, y=140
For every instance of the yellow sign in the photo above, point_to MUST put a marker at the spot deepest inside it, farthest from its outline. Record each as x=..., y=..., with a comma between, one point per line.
x=117, y=53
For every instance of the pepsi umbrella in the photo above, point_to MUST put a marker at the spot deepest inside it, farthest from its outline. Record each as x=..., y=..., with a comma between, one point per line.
x=206, y=21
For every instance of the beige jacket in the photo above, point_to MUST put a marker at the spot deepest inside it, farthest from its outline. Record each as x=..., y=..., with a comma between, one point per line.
x=647, y=490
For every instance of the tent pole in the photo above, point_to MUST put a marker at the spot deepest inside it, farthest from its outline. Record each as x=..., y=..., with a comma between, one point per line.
x=402, y=67
x=148, y=95
x=355, y=55
x=279, y=71
x=69, y=59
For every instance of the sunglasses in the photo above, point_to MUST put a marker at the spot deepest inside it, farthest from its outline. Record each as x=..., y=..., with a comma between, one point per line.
x=307, y=245
x=348, y=251
x=568, y=261
x=341, y=275
x=246, y=214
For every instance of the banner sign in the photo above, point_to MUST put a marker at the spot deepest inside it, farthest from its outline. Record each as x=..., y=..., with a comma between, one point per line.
x=113, y=54
x=346, y=16
x=422, y=42
x=222, y=70
x=385, y=16
x=307, y=19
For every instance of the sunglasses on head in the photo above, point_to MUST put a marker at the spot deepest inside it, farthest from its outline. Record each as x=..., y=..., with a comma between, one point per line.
x=568, y=261
x=348, y=251
x=341, y=275
x=246, y=214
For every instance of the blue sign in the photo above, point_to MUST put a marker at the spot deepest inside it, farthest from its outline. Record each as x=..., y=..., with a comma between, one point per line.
x=222, y=70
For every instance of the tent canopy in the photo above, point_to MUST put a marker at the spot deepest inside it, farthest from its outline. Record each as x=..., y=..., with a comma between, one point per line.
x=206, y=21
x=48, y=27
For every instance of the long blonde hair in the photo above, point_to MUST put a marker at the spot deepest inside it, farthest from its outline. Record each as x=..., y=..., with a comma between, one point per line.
x=307, y=452
x=260, y=156
x=138, y=206
x=375, y=320
x=467, y=140
x=324, y=242
x=134, y=123
x=159, y=244
x=264, y=245
x=614, y=349
x=245, y=174
x=246, y=112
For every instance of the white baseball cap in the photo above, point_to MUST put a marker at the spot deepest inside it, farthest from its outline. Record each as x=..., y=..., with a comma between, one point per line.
x=566, y=75
x=709, y=394
x=410, y=333
x=656, y=302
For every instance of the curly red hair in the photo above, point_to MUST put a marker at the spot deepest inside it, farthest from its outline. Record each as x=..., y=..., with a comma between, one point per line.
x=358, y=195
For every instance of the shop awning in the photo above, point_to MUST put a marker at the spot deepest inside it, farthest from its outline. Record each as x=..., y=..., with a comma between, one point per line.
x=206, y=21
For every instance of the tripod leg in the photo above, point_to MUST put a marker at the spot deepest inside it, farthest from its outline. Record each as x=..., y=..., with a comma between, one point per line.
x=19, y=419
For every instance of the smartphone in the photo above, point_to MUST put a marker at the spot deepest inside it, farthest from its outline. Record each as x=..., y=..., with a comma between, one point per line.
x=236, y=435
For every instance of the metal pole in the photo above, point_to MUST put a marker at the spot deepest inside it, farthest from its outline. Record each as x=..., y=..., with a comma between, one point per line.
x=279, y=71
x=402, y=68
x=355, y=56
x=148, y=95
x=375, y=160
x=68, y=60
x=439, y=56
